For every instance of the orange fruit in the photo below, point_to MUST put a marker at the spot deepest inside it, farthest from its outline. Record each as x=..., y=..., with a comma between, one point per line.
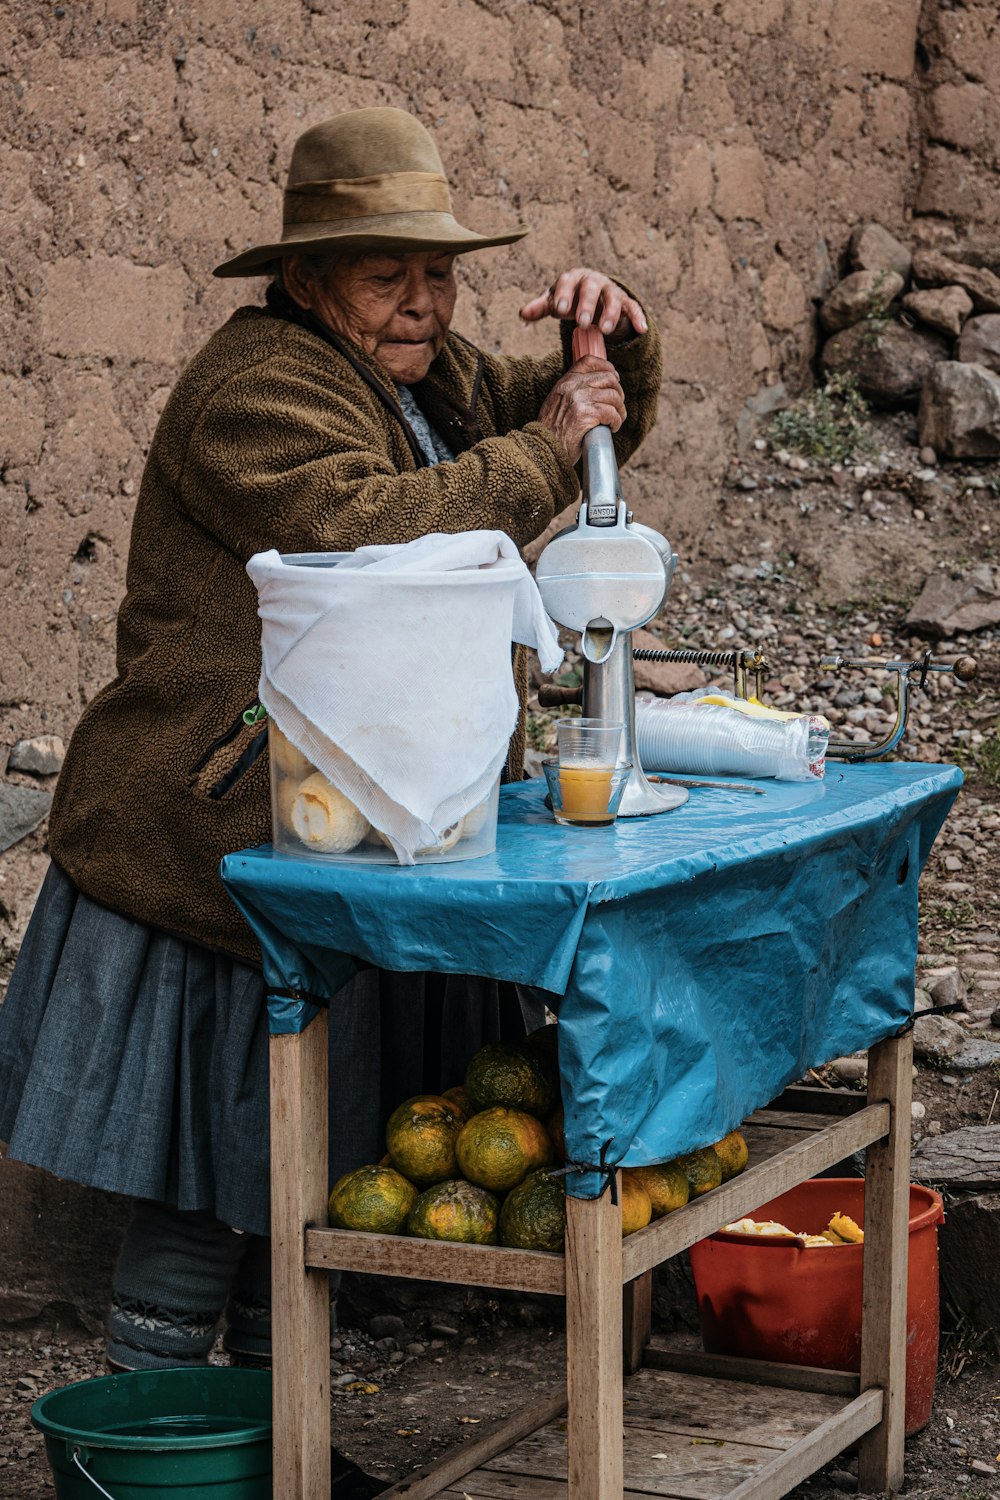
x=498, y=1147
x=703, y=1170
x=375, y=1199
x=421, y=1136
x=454, y=1211
x=500, y=1075
x=666, y=1184
x=636, y=1207
x=733, y=1152
x=460, y=1099
x=533, y=1216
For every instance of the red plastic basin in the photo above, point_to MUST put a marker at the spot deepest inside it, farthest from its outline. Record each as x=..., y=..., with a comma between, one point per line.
x=764, y=1298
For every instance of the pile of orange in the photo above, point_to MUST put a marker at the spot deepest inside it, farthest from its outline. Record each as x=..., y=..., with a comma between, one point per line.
x=474, y=1164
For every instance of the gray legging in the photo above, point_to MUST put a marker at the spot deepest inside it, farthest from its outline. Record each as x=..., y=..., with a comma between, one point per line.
x=177, y=1274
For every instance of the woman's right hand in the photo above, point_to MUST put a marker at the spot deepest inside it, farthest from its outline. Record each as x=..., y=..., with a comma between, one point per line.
x=588, y=395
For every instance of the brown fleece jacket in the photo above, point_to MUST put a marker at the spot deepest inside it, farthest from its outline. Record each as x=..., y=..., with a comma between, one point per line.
x=274, y=438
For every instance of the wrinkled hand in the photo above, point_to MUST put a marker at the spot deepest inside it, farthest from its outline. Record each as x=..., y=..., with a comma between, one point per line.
x=589, y=297
x=588, y=395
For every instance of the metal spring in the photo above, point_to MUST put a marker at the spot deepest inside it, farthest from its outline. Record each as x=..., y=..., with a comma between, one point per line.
x=749, y=668
x=699, y=658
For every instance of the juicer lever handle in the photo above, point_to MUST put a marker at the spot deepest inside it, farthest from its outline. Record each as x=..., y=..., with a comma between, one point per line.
x=555, y=695
x=601, y=485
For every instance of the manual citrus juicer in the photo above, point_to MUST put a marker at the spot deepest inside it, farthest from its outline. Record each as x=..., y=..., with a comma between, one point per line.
x=604, y=577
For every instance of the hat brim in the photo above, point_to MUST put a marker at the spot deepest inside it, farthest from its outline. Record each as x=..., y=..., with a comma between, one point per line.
x=406, y=231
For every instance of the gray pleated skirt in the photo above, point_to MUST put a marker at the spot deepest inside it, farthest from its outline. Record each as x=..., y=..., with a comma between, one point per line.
x=137, y=1062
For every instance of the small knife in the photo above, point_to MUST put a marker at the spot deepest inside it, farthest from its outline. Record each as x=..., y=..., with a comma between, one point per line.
x=726, y=786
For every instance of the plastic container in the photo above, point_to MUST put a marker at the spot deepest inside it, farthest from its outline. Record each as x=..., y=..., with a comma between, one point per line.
x=771, y=1298
x=178, y=1433
x=310, y=819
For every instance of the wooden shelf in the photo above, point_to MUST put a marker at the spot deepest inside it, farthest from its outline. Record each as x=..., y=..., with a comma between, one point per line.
x=696, y=1427
x=785, y=1148
x=687, y=1437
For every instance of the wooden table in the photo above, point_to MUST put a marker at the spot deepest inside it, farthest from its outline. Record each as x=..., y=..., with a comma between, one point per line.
x=694, y=1425
x=703, y=960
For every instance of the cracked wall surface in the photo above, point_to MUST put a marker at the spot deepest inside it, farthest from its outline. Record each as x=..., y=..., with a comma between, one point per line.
x=714, y=157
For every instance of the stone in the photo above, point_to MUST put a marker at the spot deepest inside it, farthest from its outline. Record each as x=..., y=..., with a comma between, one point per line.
x=872, y=248
x=928, y=456
x=849, y=1069
x=947, y=606
x=969, y=1246
x=960, y=410
x=932, y=268
x=979, y=343
x=764, y=403
x=22, y=808
x=890, y=363
x=921, y=1001
x=937, y=1039
x=945, y=986
x=945, y=308
x=533, y=760
x=977, y=1053
x=858, y=296
x=41, y=756
x=443, y=1331
x=663, y=677
x=386, y=1326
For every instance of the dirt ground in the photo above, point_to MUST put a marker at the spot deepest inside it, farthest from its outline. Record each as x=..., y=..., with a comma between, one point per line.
x=802, y=564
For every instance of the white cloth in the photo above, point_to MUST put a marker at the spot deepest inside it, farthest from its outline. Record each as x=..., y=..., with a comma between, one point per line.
x=391, y=671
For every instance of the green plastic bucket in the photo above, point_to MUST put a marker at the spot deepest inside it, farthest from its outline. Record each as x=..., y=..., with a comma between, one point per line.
x=160, y=1435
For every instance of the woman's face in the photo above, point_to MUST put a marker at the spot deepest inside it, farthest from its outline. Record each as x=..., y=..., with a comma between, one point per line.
x=398, y=307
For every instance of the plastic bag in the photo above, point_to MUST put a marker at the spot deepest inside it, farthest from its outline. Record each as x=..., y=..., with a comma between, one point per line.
x=685, y=734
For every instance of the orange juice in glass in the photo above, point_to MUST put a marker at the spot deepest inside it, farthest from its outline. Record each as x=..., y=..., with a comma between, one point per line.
x=588, y=754
x=586, y=792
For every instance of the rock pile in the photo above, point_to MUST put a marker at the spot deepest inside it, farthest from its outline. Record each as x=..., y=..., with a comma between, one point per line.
x=920, y=329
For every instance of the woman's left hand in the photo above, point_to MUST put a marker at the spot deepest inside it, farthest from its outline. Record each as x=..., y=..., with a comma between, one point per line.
x=588, y=298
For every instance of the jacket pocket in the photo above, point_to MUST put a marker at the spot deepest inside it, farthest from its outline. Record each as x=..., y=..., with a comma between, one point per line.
x=231, y=757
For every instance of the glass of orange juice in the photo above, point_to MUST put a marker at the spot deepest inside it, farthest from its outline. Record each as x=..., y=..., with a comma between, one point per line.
x=589, y=781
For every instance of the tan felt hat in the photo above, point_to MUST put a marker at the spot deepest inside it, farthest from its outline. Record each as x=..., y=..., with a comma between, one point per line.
x=366, y=180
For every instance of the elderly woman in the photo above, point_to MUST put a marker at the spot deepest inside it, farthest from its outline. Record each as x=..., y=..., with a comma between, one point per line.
x=343, y=412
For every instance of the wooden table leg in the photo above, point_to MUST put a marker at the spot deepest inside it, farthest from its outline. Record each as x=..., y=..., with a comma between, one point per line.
x=637, y=1320
x=594, y=1347
x=300, y=1298
x=887, y=1231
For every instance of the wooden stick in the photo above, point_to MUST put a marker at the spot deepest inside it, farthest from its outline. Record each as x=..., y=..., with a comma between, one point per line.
x=887, y=1233
x=637, y=1320
x=594, y=1347
x=434, y=1260
x=823, y=1443
x=753, y=1371
x=437, y=1476
x=300, y=1299
x=741, y=1195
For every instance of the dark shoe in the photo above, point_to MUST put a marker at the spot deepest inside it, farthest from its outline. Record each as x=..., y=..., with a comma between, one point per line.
x=348, y=1482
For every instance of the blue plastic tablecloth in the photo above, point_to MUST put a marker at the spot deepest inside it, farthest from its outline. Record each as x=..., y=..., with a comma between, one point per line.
x=699, y=960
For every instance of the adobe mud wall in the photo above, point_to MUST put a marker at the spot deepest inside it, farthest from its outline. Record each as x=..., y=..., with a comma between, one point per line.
x=714, y=157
